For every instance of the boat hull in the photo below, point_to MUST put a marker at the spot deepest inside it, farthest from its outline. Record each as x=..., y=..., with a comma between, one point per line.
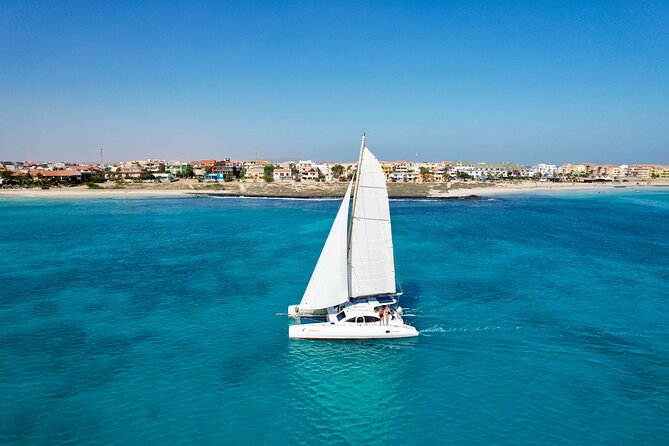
x=329, y=331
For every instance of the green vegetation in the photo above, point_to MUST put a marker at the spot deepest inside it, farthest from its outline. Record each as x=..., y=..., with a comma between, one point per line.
x=337, y=170
x=22, y=180
x=25, y=181
x=269, y=173
x=92, y=185
x=425, y=173
x=188, y=173
x=295, y=172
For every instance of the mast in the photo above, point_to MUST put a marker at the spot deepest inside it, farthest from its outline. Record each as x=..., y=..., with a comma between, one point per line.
x=355, y=197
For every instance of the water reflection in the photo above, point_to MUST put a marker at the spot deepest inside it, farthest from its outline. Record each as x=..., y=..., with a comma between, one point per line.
x=342, y=387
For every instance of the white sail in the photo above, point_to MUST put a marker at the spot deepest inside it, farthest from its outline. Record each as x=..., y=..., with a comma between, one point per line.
x=371, y=262
x=328, y=285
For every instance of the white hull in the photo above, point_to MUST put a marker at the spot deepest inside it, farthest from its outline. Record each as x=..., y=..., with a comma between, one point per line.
x=348, y=331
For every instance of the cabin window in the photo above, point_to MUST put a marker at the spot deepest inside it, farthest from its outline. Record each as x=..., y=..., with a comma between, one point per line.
x=352, y=320
x=341, y=316
x=369, y=319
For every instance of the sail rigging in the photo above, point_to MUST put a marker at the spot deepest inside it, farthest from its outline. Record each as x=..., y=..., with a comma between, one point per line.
x=356, y=261
x=357, y=258
x=328, y=285
x=371, y=264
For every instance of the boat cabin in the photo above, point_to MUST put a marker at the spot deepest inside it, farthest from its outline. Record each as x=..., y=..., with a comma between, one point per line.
x=364, y=310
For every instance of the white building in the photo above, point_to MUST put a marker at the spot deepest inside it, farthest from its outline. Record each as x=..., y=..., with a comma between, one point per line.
x=403, y=177
x=546, y=170
x=282, y=175
x=326, y=169
x=305, y=165
x=165, y=177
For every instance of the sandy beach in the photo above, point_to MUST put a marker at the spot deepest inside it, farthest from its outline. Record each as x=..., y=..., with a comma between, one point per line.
x=319, y=190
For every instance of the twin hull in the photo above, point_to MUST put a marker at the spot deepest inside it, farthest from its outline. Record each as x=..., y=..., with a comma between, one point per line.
x=342, y=331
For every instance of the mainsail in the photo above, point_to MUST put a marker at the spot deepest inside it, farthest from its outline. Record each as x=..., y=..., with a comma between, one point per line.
x=371, y=262
x=328, y=285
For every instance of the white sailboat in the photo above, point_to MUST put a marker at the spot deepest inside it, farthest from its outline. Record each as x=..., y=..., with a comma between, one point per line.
x=355, y=274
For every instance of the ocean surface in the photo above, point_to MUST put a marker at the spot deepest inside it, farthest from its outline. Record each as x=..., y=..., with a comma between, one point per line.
x=544, y=319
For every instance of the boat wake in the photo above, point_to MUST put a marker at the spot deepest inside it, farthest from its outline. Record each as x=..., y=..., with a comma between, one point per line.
x=438, y=329
x=435, y=329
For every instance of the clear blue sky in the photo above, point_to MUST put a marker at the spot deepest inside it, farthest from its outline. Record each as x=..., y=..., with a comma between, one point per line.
x=534, y=81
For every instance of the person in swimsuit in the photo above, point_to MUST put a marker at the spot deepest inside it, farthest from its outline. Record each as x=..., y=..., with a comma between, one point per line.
x=386, y=314
x=380, y=315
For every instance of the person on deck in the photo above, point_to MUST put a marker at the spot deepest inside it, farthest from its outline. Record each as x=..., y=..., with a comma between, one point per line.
x=380, y=315
x=386, y=314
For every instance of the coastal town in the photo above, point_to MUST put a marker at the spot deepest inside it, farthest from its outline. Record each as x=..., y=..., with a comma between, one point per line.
x=22, y=174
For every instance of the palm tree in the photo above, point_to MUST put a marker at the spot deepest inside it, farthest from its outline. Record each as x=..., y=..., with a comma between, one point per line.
x=6, y=176
x=337, y=170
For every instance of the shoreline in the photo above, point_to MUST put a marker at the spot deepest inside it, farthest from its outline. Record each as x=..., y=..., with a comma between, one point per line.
x=321, y=191
x=329, y=197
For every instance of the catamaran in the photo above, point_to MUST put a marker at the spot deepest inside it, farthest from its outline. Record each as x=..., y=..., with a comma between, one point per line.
x=352, y=293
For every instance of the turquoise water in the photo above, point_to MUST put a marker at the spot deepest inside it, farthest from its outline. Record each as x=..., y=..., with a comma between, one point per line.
x=543, y=319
